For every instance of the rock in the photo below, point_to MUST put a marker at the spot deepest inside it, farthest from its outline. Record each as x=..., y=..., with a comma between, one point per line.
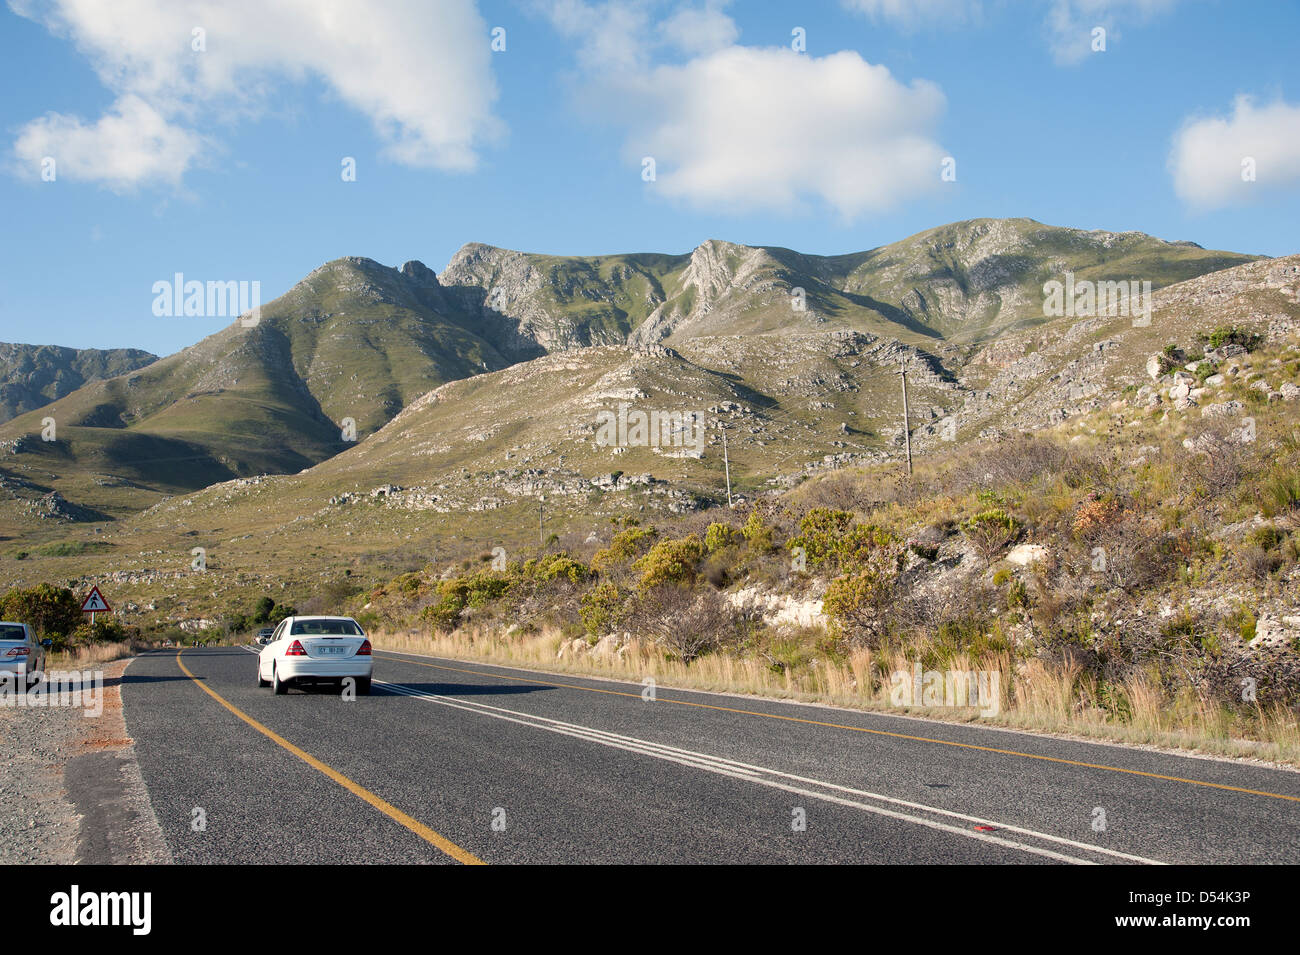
x=571, y=648
x=1225, y=409
x=608, y=645
x=1179, y=391
x=1215, y=381
x=779, y=609
x=1157, y=365
x=1026, y=554
x=1289, y=392
x=1272, y=632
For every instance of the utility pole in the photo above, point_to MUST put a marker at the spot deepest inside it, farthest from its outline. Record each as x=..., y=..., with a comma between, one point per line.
x=726, y=463
x=907, y=429
x=541, y=518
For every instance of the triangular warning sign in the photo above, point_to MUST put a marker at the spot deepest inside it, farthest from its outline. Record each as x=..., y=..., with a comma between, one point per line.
x=95, y=602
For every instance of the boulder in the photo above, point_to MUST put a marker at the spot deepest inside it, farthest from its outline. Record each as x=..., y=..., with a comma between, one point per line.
x=1224, y=409
x=1272, y=632
x=1026, y=554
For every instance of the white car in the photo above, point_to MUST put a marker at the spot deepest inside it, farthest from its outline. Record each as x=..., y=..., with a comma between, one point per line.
x=20, y=652
x=316, y=650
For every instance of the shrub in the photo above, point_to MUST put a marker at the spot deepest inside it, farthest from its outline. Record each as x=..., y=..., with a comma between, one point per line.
x=990, y=531
x=758, y=534
x=624, y=546
x=670, y=561
x=601, y=608
x=683, y=622
x=1231, y=335
x=858, y=601
x=836, y=540
x=721, y=536
x=557, y=567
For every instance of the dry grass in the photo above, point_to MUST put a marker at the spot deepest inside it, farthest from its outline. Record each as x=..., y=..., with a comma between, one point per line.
x=95, y=654
x=1036, y=696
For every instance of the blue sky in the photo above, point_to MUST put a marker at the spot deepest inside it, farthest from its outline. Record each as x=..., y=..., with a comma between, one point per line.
x=224, y=163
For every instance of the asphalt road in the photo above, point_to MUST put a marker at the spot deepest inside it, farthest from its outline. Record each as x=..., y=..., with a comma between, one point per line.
x=459, y=762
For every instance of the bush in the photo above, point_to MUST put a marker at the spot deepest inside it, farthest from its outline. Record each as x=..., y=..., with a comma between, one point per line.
x=685, y=623
x=836, y=540
x=50, y=611
x=758, y=534
x=557, y=567
x=721, y=536
x=670, y=562
x=990, y=531
x=601, y=608
x=624, y=547
x=858, y=601
x=1231, y=335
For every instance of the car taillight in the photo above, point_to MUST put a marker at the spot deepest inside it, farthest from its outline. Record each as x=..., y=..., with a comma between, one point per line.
x=295, y=650
x=364, y=649
x=24, y=651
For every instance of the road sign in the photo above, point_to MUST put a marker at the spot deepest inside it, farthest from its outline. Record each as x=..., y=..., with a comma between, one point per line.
x=95, y=603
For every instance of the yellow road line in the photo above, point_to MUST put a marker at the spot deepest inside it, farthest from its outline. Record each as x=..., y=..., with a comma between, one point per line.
x=863, y=729
x=387, y=808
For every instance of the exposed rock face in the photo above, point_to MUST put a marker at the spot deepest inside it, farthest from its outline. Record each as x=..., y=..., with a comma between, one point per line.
x=31, y=376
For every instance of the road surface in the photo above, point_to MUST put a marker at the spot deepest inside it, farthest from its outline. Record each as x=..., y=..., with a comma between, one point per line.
x=455, y=762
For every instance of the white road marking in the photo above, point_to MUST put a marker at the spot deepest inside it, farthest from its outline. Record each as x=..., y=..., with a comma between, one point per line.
x=777, y=779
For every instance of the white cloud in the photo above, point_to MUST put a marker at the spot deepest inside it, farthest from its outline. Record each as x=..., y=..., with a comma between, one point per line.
x=420, y=71
x=610, y=36
x=1070, y=23
x=1208, y=153
x=747, y=128
x=129, y=144
x=700, y=30
x=910, y=14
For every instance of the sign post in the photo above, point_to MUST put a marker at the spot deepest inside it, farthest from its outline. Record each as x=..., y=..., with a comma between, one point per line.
x=93, y=604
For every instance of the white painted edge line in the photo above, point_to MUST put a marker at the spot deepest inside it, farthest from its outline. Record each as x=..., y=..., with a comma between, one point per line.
x=777, y=779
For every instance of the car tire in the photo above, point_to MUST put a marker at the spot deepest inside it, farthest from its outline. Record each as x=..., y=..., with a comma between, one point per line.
x=363, y=686
x=260, y=682
x=281, y=687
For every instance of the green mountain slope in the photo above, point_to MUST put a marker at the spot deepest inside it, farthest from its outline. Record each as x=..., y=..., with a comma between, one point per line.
x=353, y=340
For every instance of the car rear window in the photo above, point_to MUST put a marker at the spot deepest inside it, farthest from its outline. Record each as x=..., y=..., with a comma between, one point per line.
x=11, y=631
x=326, y=628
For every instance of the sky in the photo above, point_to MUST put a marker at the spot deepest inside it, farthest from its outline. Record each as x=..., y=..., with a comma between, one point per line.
x=144, y=138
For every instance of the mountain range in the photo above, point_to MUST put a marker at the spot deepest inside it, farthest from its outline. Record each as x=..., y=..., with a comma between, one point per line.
x=486, y=378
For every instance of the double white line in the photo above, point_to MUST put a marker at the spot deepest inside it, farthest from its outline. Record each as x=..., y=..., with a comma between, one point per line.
x=1026, y=840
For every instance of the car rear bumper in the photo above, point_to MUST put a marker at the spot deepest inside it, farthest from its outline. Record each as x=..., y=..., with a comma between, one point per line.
x=22, y=665
x=291, y=668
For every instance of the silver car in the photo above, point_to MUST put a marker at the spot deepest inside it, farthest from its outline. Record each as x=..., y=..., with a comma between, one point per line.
x=21, y=652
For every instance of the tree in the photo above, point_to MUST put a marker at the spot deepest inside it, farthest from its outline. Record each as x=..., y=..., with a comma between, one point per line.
x=262, y=613
x=50, y=611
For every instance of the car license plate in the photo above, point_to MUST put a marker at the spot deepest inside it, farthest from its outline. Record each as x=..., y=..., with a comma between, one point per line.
x=332, y=650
